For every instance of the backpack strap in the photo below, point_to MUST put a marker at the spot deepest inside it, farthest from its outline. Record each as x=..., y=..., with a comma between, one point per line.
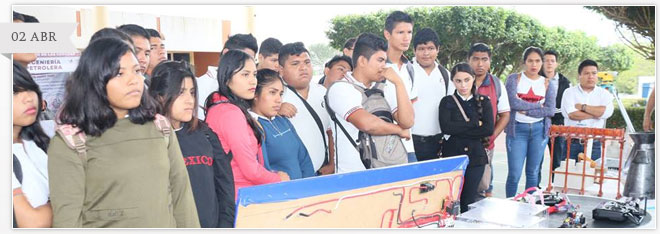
x=334, y=117
x=74, y=139
x=164, y=127
x=411, y=73
x=445, y=77
x=498, y=87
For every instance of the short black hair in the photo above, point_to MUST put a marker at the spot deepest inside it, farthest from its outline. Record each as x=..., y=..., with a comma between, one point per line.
x=551, y=52
x=396, y=17
x=134, y=30
x=153, y=33
x=350, y=43
x=425, y=35
x=366, y=45
x=338, y=58
x=111, y=32
x=479, y=47
x=289, y=49
x=241, y=41
x=586, y=63
x=19, y=16
x=530, y=50
x=30, y=19
x=270, y=46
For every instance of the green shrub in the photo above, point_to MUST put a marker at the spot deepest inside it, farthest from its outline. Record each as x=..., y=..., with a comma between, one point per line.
x=633, y=102
x=636, y=115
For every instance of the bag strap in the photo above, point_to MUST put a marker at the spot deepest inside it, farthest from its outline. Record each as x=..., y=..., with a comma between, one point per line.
x=411, y=73
x=445, y=77
x=460, y=108
x=334, y=119
x=74, y=139
x=18, y=170
x=317, y=119
x=164, y=127
x=498, y=86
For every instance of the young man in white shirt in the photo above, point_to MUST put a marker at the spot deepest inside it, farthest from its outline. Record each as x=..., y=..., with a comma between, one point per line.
x=299, y=96
x=398, y=33
x=586, y=105
x=369, y=62
x=140, y=38
x=432, y=85
x=208, y=83
x=158, y=51
x=268, y=54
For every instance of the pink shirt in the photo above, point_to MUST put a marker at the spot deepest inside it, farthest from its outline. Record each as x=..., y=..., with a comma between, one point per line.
x=237, y=137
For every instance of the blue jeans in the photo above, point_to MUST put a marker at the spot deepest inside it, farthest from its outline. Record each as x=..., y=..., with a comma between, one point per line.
x=528, y=144
x=558, y=156
x=577, y=148
x=412, y=157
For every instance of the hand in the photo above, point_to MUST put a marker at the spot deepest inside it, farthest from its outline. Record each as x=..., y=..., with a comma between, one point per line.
x=647, y=125
x=392, y=76
x=288, y=110
x=578, y=106
x=405, y=134
x=327, y=169
x=283, y=176
x=480, y=123
x=521, y=112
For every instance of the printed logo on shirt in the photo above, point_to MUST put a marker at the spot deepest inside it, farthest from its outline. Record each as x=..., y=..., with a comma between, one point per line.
x=196, y=160
x=530, y=96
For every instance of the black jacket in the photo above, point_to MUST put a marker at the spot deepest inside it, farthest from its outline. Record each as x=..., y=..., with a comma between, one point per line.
x=211, y=177
x=466, y=136
x=563, y=84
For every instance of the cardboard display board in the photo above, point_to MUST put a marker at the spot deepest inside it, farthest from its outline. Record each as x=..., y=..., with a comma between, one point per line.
x=407, y=195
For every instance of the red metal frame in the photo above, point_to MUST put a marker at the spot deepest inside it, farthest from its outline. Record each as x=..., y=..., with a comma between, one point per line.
x=600, y=134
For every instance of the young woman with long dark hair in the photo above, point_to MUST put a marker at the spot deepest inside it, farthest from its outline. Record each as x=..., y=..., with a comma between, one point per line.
x=30, y=176
x=227, y=115
x=468, y=118
x=124, y=168
x=173, y=85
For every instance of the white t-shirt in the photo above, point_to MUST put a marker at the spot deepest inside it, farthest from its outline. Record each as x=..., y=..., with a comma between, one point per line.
x=532, y=91
x=305, y=124
x=597, y=97
x=430, y=90
x=345, y=100
x=206, y=84
x=34, y=165
x=390, y=94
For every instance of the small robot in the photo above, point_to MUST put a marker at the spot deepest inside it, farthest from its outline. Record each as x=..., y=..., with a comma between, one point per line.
x=574, y=219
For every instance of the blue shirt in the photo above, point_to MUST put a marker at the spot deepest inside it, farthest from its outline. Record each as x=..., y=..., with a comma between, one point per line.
x=283, y=150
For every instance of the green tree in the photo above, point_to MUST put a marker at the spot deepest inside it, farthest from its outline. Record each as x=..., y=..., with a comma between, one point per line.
x=626, y=81
x=506, y=31
x=635, y=25
x=320, y=54
x=615, y=58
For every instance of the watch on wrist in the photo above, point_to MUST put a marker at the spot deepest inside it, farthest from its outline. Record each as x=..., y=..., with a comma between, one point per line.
x=584, y=107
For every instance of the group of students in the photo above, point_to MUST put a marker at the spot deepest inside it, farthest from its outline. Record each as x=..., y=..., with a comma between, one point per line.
x=143, y=143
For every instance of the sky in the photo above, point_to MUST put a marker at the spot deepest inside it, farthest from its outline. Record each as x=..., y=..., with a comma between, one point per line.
x=308, y=23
